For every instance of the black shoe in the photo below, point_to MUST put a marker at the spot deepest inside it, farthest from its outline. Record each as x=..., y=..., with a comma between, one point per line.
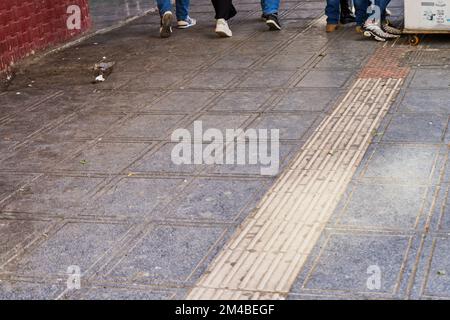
x=349, y=18
x=264, y=16
x=273, y=22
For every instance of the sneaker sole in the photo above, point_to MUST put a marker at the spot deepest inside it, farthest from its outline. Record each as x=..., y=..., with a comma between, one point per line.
x=273, y=25
x=369, y=34
x=222, y=34
x=185, y=26
x=166, y=28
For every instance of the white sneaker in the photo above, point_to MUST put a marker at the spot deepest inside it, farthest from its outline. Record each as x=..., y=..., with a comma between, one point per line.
x=375, y=31
x=222, y=29
x=184, y=24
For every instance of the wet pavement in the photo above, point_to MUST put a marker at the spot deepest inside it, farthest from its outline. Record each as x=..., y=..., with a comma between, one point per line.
x=87, y=179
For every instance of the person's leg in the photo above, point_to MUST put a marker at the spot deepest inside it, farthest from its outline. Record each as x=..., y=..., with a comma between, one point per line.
x=184, y=21
x=345, y=7
x=165, y=11
x=332, y=11
x=182, y=7
x=375, y=26
x=270, y=6
x=163, y=6
x=383, y=6
x=379, y=13
x=347, y=15
x=361, y=11
x=224, y=9
x=270, y=13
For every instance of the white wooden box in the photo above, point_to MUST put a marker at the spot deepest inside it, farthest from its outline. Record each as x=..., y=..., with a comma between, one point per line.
x=427, y=15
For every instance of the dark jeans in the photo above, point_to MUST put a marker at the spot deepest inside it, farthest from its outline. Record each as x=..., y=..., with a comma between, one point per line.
x=334, y=7
x=224, y=9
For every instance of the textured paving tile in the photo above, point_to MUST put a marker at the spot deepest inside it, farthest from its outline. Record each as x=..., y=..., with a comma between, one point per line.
x=14, y=234
x=5, y=147
x=235, y=61
x=212, y=80
x=287, y=61
x=79, y=244
x=339, y=61
x=285, y=154
x=393, y=207
x=416, y=128
x=443, y=210
x=220, y=121
x=438, y=279
x=106, y=157
x=123, y=101
x=167, y=254
x=240, y=101
x=39, y=155
x=19, y=290
x=53, y=195
x=257, y=46
x=86, y=125
x=266, y=79
x=307, y=100
x=157, y=79
x=10, y=183
x=135, y=197
x=401, y=162
x=325, y=79
x=215, y=199
x=426, y=101
x=298, y=45
x=181, y=101
x=345, y=259
x=161, y=161
x=27, y=98
x=292, y=126
x=19, y=129
x=147, y=126
x=431, y=78
x=183, y=62
x=111, y=293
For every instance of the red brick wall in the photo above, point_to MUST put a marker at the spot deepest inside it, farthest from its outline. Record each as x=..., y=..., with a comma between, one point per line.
x=29, y=25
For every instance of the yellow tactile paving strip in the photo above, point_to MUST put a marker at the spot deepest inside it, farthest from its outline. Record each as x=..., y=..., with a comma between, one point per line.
x=264, y=257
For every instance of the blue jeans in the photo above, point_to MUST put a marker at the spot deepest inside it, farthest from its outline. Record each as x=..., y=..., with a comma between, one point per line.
x=182, y=7
x=333, y=11
x=383, y=6
x=270, y=6
x=361, y=11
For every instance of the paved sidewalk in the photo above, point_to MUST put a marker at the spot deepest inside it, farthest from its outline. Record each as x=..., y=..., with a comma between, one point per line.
x=87, y=179
x=105, y=14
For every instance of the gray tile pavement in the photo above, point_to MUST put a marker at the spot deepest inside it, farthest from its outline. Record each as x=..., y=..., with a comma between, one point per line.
x=86, y=177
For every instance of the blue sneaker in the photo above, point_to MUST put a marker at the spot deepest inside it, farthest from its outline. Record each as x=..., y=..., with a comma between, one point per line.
x=186, y=23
